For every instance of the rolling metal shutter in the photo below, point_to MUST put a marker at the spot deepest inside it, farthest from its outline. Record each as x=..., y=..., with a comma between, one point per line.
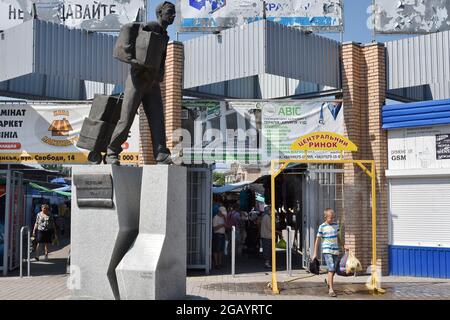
x=420, y=212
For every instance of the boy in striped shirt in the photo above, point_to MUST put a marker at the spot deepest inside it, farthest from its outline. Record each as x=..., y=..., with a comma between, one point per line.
x=328, y=234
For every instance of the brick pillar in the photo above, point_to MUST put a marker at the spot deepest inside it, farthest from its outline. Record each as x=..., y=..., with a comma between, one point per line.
x=171, y=90
x=364, y=93
x=377, y=144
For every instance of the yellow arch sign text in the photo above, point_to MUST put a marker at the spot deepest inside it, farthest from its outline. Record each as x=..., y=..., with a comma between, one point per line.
x=323, y=141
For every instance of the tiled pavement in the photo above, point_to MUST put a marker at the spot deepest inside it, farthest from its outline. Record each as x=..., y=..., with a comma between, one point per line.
x=49, y=280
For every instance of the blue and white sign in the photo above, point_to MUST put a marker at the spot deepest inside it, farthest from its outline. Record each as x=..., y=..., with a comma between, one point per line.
x=215, y=15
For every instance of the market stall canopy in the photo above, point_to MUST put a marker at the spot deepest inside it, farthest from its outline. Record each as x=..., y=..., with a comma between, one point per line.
x=44, y=189
x=231, y=187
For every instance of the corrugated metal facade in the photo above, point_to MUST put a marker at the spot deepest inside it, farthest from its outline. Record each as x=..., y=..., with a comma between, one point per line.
x=263, y=86
x=426, y=262
x=235, y=53
x=55, y=50
x=417, y=114
x=52, y=87
x=262, y=47
x=294, y=54
x=16, y=51
x=419, y=61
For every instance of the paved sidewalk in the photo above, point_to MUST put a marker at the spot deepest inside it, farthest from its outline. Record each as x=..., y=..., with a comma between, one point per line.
x=303, y=286
x=49, y=282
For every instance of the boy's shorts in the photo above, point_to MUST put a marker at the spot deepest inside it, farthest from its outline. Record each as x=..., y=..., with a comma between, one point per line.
x=331, y=261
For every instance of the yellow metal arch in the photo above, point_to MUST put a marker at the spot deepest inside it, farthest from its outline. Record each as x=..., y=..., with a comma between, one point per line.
x=278, y=166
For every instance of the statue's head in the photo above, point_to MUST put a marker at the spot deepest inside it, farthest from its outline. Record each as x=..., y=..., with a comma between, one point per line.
x=165, y=13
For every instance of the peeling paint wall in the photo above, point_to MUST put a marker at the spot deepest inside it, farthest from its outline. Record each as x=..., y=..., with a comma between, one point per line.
x=412, y=16
x=216, y=15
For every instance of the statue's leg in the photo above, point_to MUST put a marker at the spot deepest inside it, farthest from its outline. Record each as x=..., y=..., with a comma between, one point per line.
x=154, y=111
x=131, y=101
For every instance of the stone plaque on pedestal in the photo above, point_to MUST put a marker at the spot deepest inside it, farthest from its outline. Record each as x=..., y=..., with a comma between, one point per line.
x=102, y=234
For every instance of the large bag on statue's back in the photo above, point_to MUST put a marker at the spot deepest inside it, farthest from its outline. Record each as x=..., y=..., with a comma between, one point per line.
x=150, y=49
x=125, y=48
x=98, y=128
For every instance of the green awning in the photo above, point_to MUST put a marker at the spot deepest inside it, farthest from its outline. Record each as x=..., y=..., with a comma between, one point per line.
x=44, y=189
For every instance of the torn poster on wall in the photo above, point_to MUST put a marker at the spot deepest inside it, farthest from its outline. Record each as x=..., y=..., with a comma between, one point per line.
x=411, y=16
x=216, y=15
x=105, y=15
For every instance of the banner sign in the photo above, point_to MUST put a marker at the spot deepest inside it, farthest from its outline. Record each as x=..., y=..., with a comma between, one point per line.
x=214, y=15
x=411, y=16
x=219, y=132
x=105, y=15
x=255, y=132
x=320, y=141
x=284, y=122
x=419, y=148
x=48, y=133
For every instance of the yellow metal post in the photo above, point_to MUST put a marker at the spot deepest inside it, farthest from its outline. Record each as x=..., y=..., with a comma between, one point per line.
x=274, y=259
x=374, y=218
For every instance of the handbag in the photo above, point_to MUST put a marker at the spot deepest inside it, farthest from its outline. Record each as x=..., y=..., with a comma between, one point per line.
x=281, y=244
x=314, y=267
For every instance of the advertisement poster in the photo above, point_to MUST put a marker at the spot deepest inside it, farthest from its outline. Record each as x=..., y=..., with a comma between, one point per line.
x=2, y=221
x=443, y=147
x=411, y=16
x=106, y=15
x=284, y=122
x=253, y=132
x=213, y=15
x=48, y=133
x=220, y=132
x=419, y=148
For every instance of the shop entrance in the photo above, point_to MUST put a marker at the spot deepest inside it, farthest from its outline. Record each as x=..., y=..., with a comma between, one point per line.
x=323, y=186
x=303, y=192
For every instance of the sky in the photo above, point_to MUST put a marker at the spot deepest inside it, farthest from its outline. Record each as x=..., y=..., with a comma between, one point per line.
x=355, y=23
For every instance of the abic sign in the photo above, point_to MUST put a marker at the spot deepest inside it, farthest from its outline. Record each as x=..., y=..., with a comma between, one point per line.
x=105, y=15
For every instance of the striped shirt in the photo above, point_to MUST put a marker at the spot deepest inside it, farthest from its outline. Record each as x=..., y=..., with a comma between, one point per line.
x=329, y=235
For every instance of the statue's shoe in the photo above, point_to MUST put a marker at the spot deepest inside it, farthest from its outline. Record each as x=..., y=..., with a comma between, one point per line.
x=164, y=158
x=112, y=160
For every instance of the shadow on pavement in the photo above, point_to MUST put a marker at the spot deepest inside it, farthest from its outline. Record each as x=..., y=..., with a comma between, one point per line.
x=55, y=265
x=250, y=264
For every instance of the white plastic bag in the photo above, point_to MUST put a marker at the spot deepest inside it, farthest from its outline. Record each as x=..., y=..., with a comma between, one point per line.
x=353, y=265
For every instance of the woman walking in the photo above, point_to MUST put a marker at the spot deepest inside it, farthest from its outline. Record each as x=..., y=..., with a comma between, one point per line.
x=46, y=229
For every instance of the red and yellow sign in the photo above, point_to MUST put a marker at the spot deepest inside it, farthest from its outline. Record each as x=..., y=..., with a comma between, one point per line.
x=323, y=141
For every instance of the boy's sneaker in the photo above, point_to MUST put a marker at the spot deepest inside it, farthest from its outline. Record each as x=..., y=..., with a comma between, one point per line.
x=331, y=293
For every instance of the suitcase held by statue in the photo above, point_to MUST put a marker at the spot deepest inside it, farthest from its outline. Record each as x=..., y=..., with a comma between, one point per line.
x=98, y=128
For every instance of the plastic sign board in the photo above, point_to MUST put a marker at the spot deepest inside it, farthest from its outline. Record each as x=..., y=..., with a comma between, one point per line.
x=48, y=133
x=253, y=132
x=103, y=15
x=411, y=16
x=214, y=15
x=323, y=141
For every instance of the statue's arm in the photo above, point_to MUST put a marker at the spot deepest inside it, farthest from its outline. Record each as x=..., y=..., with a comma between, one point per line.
x=162, y=67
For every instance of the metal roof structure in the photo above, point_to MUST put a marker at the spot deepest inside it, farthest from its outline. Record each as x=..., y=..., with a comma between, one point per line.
x=56, y=61
x=261, y=48
x=419, y=67
x=418, y=114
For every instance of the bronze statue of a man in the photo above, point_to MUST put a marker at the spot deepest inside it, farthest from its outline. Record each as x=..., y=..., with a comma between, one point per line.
x=142, y=85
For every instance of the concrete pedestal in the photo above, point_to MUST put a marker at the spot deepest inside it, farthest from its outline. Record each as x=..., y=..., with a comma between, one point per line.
x=100, y=237
x=155, y=266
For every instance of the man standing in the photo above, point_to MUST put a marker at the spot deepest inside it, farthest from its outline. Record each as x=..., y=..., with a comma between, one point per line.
x=219, y=237
x=142, y=85
x=266, y=236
